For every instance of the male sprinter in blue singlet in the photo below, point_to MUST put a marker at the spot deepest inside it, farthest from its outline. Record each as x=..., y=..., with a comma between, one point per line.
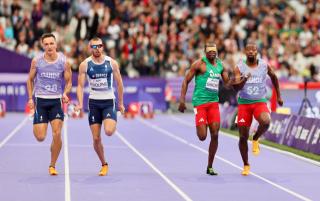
x=47, y=72
x=100, y=71
x=252, y=100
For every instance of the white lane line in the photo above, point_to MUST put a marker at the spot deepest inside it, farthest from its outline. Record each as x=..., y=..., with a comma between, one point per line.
x=13, y=132
x=154, y=168
x=173, y=136
x=261, y=145
x=67, y=193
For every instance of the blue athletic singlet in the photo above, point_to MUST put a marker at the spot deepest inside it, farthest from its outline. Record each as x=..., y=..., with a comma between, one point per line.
x=100, y=78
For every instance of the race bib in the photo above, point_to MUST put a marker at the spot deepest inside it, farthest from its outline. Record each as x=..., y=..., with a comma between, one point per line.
x=99, y=84
x=253, y=90
x=212, y=84
x=52, y=88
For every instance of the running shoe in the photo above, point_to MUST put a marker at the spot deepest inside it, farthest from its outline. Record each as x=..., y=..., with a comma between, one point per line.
x=104, y=170
x=52, y=171
x=210, y=171
x=246, y=170
x=255, y=147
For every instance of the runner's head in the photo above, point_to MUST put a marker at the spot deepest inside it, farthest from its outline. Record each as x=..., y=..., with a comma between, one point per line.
x=210, y=49
x=49, y=44
x=251, y=51
x=96, y=47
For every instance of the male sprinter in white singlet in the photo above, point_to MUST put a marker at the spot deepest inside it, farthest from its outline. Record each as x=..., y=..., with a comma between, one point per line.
x=100, y=70
x=47, y=72
x=252, y=100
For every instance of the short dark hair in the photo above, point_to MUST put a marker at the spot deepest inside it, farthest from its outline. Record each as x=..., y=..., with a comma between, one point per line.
x=250, y=42
x=47, y=35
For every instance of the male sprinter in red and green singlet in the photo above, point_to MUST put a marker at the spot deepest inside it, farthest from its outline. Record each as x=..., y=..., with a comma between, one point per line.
x=252, y=99
x=207, y=72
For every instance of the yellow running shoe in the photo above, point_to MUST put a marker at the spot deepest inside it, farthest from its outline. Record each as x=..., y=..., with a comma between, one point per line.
x=104, y=170
x=52, y=171
x=246, y=170
x=255, y=147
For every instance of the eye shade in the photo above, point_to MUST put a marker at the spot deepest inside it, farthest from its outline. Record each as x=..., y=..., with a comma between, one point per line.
x=96, y=46
x=208, y=49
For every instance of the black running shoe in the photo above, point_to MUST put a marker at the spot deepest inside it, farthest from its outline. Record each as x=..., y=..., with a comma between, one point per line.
x=211, y=172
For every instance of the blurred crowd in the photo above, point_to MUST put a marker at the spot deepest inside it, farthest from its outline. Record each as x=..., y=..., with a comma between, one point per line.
x=163, y=37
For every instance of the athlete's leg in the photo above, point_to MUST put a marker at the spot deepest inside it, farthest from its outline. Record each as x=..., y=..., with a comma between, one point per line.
x=109, y=126
x=56, y=144
x=243, y=143
x=109, y=116
x=95, y=121
x=97, y=143
x=201, y=121
x=244, y=121
x=40, y=119
x=213, y=116
x=56, y=117
x=98, y=147
x=214, y=130
x=262, y=115
x=40, y=131
x=202, y=132
x=264, y=123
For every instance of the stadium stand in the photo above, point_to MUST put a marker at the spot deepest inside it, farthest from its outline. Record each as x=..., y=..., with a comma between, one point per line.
x=162, y=38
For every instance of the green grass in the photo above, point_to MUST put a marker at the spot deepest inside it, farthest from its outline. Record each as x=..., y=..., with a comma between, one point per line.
x=279, y=146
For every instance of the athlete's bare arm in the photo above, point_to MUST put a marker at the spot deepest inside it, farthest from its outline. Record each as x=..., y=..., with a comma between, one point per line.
x=117, y=77
x=195, y=67
x=81, y=82
x=275, y=83
x=32, y=75
x=225, y=78
x=239, y=80
x=68, y=80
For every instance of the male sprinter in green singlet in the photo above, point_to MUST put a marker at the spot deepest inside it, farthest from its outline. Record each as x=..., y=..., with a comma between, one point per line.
x=207, y=72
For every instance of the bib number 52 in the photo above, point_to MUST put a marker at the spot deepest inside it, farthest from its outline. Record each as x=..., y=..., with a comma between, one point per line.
x=253, y=90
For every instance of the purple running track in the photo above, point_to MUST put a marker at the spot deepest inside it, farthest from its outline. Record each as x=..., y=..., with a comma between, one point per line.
x=157, y=159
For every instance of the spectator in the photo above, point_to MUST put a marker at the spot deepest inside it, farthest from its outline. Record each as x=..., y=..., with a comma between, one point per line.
x=162, y=37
